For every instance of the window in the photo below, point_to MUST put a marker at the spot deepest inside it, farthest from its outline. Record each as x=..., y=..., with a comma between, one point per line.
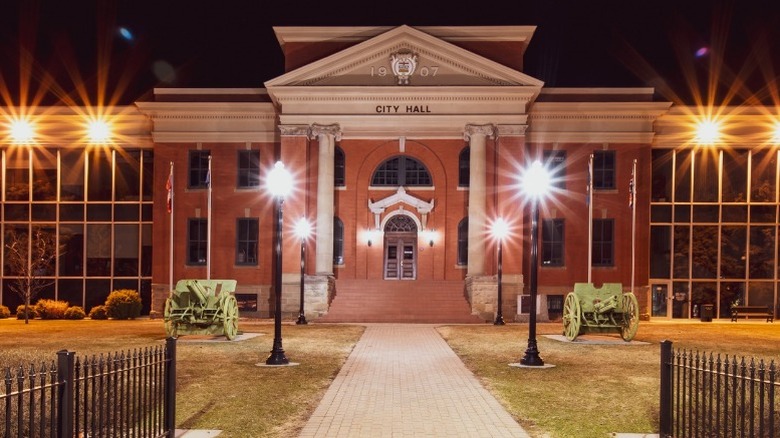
x=463, y=242
x=338, y=241
x=339, y=168
x=248, y=169
x=603, y=170
x=246, y=241
x=196, y=241
x=555, y=161
x=401, y=171
x=199, y=167
x=603, y=242
x=464, y=170
x=552, y=242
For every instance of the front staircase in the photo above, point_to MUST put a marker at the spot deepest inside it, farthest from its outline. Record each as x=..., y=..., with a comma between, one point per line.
x=414, y=301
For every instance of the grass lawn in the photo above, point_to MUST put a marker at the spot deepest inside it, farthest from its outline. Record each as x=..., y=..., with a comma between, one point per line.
x=219, y=386
x=594, y=389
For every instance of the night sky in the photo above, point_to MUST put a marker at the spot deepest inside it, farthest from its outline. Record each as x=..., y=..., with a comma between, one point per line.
x=131, y=46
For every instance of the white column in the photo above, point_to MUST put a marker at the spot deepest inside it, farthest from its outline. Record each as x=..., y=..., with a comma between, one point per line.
x=477, y=136
x=326, y=135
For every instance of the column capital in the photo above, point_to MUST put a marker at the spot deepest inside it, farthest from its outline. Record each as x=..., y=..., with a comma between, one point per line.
x=511, y=130
x=317, y=130
x=294, y=130
x=472, y=130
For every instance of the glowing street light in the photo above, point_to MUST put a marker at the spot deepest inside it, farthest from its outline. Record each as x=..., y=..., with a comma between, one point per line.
x=302, y=230
x=279, y=183
x=22, y=131
x=776, y=136
x=535, y=184
x=500, y=230
x=98, y=131
x=708, y=131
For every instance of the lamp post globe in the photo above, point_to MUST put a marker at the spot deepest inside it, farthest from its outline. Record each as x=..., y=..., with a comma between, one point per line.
x=535, y=185
x=302, y=230
x=500, y=230
x=279, y=183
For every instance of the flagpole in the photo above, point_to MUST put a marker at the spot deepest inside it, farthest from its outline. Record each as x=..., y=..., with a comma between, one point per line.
x=208, y=224
x=590, y=219
x=170, y=210
x=632, y=188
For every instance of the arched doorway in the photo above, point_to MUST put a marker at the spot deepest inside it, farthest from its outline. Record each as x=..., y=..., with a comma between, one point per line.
x=400, y=248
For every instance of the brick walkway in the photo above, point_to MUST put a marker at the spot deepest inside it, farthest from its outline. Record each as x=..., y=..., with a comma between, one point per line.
x=404, y=380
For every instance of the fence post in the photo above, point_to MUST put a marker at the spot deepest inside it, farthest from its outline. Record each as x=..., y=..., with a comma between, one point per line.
x=170, y=387
x=666, y=389
x=65, y=393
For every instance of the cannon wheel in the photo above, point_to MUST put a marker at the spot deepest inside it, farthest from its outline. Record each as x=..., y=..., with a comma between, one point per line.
x=170, y=325
x=630, y=317
x=571, y=317
x=230, y=317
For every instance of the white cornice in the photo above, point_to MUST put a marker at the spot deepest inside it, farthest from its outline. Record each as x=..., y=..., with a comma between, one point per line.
x=384, y=100
x=549, y=109
x=210, y=91
x=590, y=137
x=215, y=137
x=285, y=34
x=161, y=109
x=410, y=126
x=598, y=91
x=216, y=122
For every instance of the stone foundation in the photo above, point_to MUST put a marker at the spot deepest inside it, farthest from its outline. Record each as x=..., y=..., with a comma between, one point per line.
x=482, y=294
x=318, y=292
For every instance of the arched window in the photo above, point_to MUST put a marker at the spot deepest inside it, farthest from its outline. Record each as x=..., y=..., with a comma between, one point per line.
x=463, y=167
x=339, y=166
x=401, y=171
x=463, y=241
x=338, y=241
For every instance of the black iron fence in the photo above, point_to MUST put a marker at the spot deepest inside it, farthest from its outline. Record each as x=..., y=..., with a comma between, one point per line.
x=127, y=394
x=708, y=396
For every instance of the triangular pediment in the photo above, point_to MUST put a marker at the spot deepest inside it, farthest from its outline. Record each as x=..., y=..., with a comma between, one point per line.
x=436, y=63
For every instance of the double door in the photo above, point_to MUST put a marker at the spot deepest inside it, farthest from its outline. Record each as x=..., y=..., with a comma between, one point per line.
x=400, y=256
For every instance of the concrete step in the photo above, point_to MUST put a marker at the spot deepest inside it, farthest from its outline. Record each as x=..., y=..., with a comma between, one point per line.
x=419, y=301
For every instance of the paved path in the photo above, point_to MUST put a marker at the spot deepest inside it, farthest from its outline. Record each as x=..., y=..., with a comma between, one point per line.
x=404, y=380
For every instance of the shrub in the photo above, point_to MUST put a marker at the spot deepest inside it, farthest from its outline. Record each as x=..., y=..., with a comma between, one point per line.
x=123, y=304
x=5, y=312
x=20, y=312
x=51, y=309
x=98, y=312
x=75, y=312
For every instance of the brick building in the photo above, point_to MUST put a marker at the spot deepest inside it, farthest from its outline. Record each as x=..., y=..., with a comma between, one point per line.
x=405, y=145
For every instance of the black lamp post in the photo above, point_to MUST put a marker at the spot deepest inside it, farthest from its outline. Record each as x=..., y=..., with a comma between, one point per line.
x=279, y=183
x=302, y=229
x=500, y=230
x=535, y=184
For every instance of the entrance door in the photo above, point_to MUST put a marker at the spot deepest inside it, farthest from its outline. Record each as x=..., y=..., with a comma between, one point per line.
x=662, y=300
x=400, y=257
x=400, y=248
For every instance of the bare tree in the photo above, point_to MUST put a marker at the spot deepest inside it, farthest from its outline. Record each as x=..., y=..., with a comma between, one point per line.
x=28, y=262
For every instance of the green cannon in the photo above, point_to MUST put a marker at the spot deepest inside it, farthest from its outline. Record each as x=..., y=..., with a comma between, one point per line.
x=592, y=310
x=202, y=307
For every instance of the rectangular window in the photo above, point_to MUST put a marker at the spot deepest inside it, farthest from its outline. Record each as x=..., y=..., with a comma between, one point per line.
x=603, y=170
x=199, y=168
x=603, y=242
x=552, y=242
x=246, y=241
x=196, y=241
x=248, y=169
x=555, y=162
